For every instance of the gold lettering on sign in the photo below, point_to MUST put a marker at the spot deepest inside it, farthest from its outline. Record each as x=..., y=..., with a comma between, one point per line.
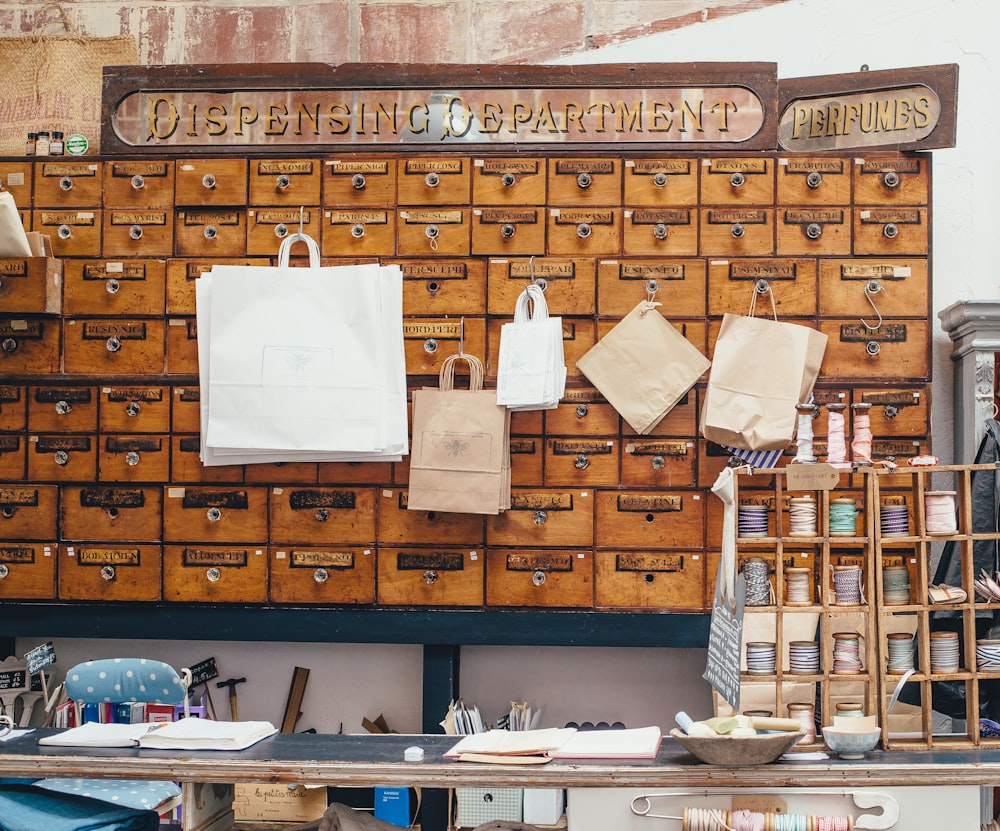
x=541, y=502
x=824, y=217
x=52, y=395
x=21, y=328
x=49, y=444
x=497, y=167
x=766, y=269
x=60, y=170
x=899, y=216
x=496, y=216
x=868, y=271
x=112, y=498
x=675, y=167
x=436, y=217
x=350, y=168
x=273, y=216
x=13, y=268
x=434, y=271
x=896, y=398
x=9, y=393
x=575, y=166
x=737, y=166
x=647, y=216
x=644, y=271
x=123, y=270
x=639, y=561
x=742, y=216
x=212, y=218
x=570, y=447
x=443, y=329
x=230, y=557
x=523, y=447
x=292, y=168
x=584, y=396
x=133, y=444
x=816, y=165
x=657, y=448
x=9, y=444
x=766, y=501
x=439, y=561
x=78, y=218
x=321, y=559
x=547, y=269
x=886, y=333
x=434, y=166
x=15, y=497
x=895, y=447
x=575, y=217
x=117, y=394
x=146, y=169
x=539, y=562
x=103, y=329
x=133, y=218
x=108, y=556
x=650, y=503
x=898, y=165
x=359, y=217
x=21, y=554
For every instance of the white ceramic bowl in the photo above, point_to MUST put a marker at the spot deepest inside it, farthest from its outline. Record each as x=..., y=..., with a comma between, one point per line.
x=851, y=745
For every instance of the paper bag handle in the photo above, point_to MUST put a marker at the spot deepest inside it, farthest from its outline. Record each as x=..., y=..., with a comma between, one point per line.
x=446, y=380
x=291, y=239
x=762, y=287
x=532, y=298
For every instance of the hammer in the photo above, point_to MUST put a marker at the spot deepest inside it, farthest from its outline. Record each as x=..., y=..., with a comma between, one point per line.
x=231, y=684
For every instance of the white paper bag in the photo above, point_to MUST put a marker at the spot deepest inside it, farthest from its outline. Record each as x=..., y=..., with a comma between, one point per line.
x=13, y=239
x=531, y=370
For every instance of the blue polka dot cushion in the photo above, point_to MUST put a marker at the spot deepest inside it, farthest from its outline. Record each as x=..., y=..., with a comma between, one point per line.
x=118, y=792
x=125, y=679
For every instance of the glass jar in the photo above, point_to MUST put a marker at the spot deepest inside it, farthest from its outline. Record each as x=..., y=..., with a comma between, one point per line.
x=42, y=144
x=29, y=147
x=57, y=147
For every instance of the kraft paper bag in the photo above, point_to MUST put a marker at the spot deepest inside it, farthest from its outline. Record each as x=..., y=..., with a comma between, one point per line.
x=761, y=369
x=459, y=459
x=643, y=366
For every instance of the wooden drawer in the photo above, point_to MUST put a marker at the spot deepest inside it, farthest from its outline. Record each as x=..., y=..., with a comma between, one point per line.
x=896, y=180
x=182, y=346
x=267, y=227
x=31, y=285
x=13, y=456
x=585, y=232
x=430, y=577
x=73, y=233
x=581, y=462
x=814, y=232
x=898, y=288
x=328, y=575
x=900, y=449
x=53, y=409
x=354, y=473
x=182, y=274
x=658, y=182
x=214, y=574
x=508, y=181
x=145, y=183
x=526, y=457
x=17, y=177
x=134, y=232
x=27, y=570
x=737, y=232
x=210, y=233
x=526, y=422
x=579, y=336
x=133, y=457
x=578, y=182
x=813, y=180
x=100, y=287
x=68, y=184
x=425, y=233
x=660, y=232
x=110, y=572
x=301, y=516
x=215, y=515
x=28, y=346
x=281, y=473
x=443, y=287
x=28, y=512
x=737, y=181
x=398, y=526
x=354, y=232
x=680, y=286
x=433, y=181
x=116, y=346
x=92, y=512
x=287, y=182
x=360, y=181
x=899, y=411
x=568, y=284
x=185, y=416
x=582, y=412
x=428, y=341
x=544, y=517
x=658, y=463
x=186, y=466
x=659, y=580
x=896, y=350
x=13, y=407
x=680, y=421
x=62, y=458
x=508, y=231
x=548, y=578
x=203, y=182
x=126, y=409
x=890, y=231
x=792, y=283
x=649, y=519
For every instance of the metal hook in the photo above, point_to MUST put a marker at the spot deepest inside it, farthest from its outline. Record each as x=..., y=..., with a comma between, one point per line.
x=873, y=287
x=652, y=287
x=302, y=214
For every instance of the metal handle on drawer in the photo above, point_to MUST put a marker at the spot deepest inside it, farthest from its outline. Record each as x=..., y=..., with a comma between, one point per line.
x=281, y=230
x=737, y=180
x=8, y=511
x=211, y=232
x=737, y=230
x=64, y=232
x=112, y=286
x=321, y=515
x=658, y=462
x=814, y=180
x=135, y=232
x=432, y=232
x=430, y=346
x=540, y=517
x=432, y=180
x=283, y=182
x=111, y=513
x=508, y=180
x=873, y=347
x=113, y=344
x=813, y=230
x=507, y=230
x=208, y=181
x=63, y=407
x=582, y=410
x=9, y=345
x=889, y=411
x=539, y=578
x=890, y=230
x=660, y=179
x=138, y=182
x=108, y=573
x=660, y=231
x=213, y=514
x=4, y=571
x=357, y=231
x=66, y=183
x=132, y=458
x=584, y=180
x=133, y=408
x=430, y=577
x=321, y=575
x=583, y=230
x=213, y=575
x=581, y=461
x=61, y=458
x=890, y=179
x=358, y=181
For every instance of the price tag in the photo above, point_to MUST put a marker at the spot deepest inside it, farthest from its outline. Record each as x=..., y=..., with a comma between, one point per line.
x=817, y=477
x=40, y=657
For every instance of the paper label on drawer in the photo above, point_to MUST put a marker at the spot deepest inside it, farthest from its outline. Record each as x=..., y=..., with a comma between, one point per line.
x=227, y=558
x=108, y=556
x=438, y=561
x=641, y=561
x=547, y=561
x=19, y=497
x=321, y=559
x=19, y=554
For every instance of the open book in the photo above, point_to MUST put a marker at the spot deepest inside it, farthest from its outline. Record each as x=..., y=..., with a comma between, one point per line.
x=184, y=734
x=537, y=746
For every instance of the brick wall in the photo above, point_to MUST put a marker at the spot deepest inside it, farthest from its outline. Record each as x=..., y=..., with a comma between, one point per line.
x=339, y=31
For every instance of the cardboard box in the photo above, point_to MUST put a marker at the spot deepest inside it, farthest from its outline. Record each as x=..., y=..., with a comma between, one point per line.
x=278, y=803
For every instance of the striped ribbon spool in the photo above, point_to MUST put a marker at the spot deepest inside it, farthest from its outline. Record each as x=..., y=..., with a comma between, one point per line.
x=894, y=520
x=847, y=653
x=847, y=585
x=895, y=585
x=939, y=512
x=900, y=653
x=755, y=572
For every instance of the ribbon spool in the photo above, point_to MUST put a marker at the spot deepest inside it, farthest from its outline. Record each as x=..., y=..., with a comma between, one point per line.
x=861, y=441
x=843, y=517
x=847, y=653
x=755, y=572
x=804, y=434
x=850, y=709
x=761, y=658
x=802, y=515
x=945, y=654
x=751, y=520
x=900, y=653
x=805, y=714
x=895, y=585
x=836, y=439
x=939, y=512
x=847, y=585
x=803, y=657
x=894, y=519
x=797, y=590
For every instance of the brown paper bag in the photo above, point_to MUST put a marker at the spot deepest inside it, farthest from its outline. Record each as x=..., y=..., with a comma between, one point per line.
x=459, y=459
x=761, y=369
x=53, y=82
x=643, y=366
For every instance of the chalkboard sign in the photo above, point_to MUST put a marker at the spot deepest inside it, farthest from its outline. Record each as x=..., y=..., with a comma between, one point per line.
x=40, y=657
x=725, y=639
x=14, y=679
x=203, y=671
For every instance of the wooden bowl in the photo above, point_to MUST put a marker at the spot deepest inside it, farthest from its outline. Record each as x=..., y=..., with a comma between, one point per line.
x=735, y=752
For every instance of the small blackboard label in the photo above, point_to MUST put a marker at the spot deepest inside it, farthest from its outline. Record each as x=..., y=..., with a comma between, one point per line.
x=203, y=671
x=725, y=639
x=14, y=679
x=40, y=657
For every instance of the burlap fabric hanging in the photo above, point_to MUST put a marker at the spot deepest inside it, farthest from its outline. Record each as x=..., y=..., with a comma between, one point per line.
x=51, y=80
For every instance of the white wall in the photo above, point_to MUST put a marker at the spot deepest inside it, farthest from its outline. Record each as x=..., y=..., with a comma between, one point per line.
x=639, y=686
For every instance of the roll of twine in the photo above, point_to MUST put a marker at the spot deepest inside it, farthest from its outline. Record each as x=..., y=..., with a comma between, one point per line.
x=894, y=520
x=843, y=517
x=804, y=435
x=836, y=438
x=805, y=714
x=847, y=585
x=802, y=516
x=797, y=586
x=861, y=443
x=847, y=653
x=900, y=653
x=939, y=512
x=755, y=572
